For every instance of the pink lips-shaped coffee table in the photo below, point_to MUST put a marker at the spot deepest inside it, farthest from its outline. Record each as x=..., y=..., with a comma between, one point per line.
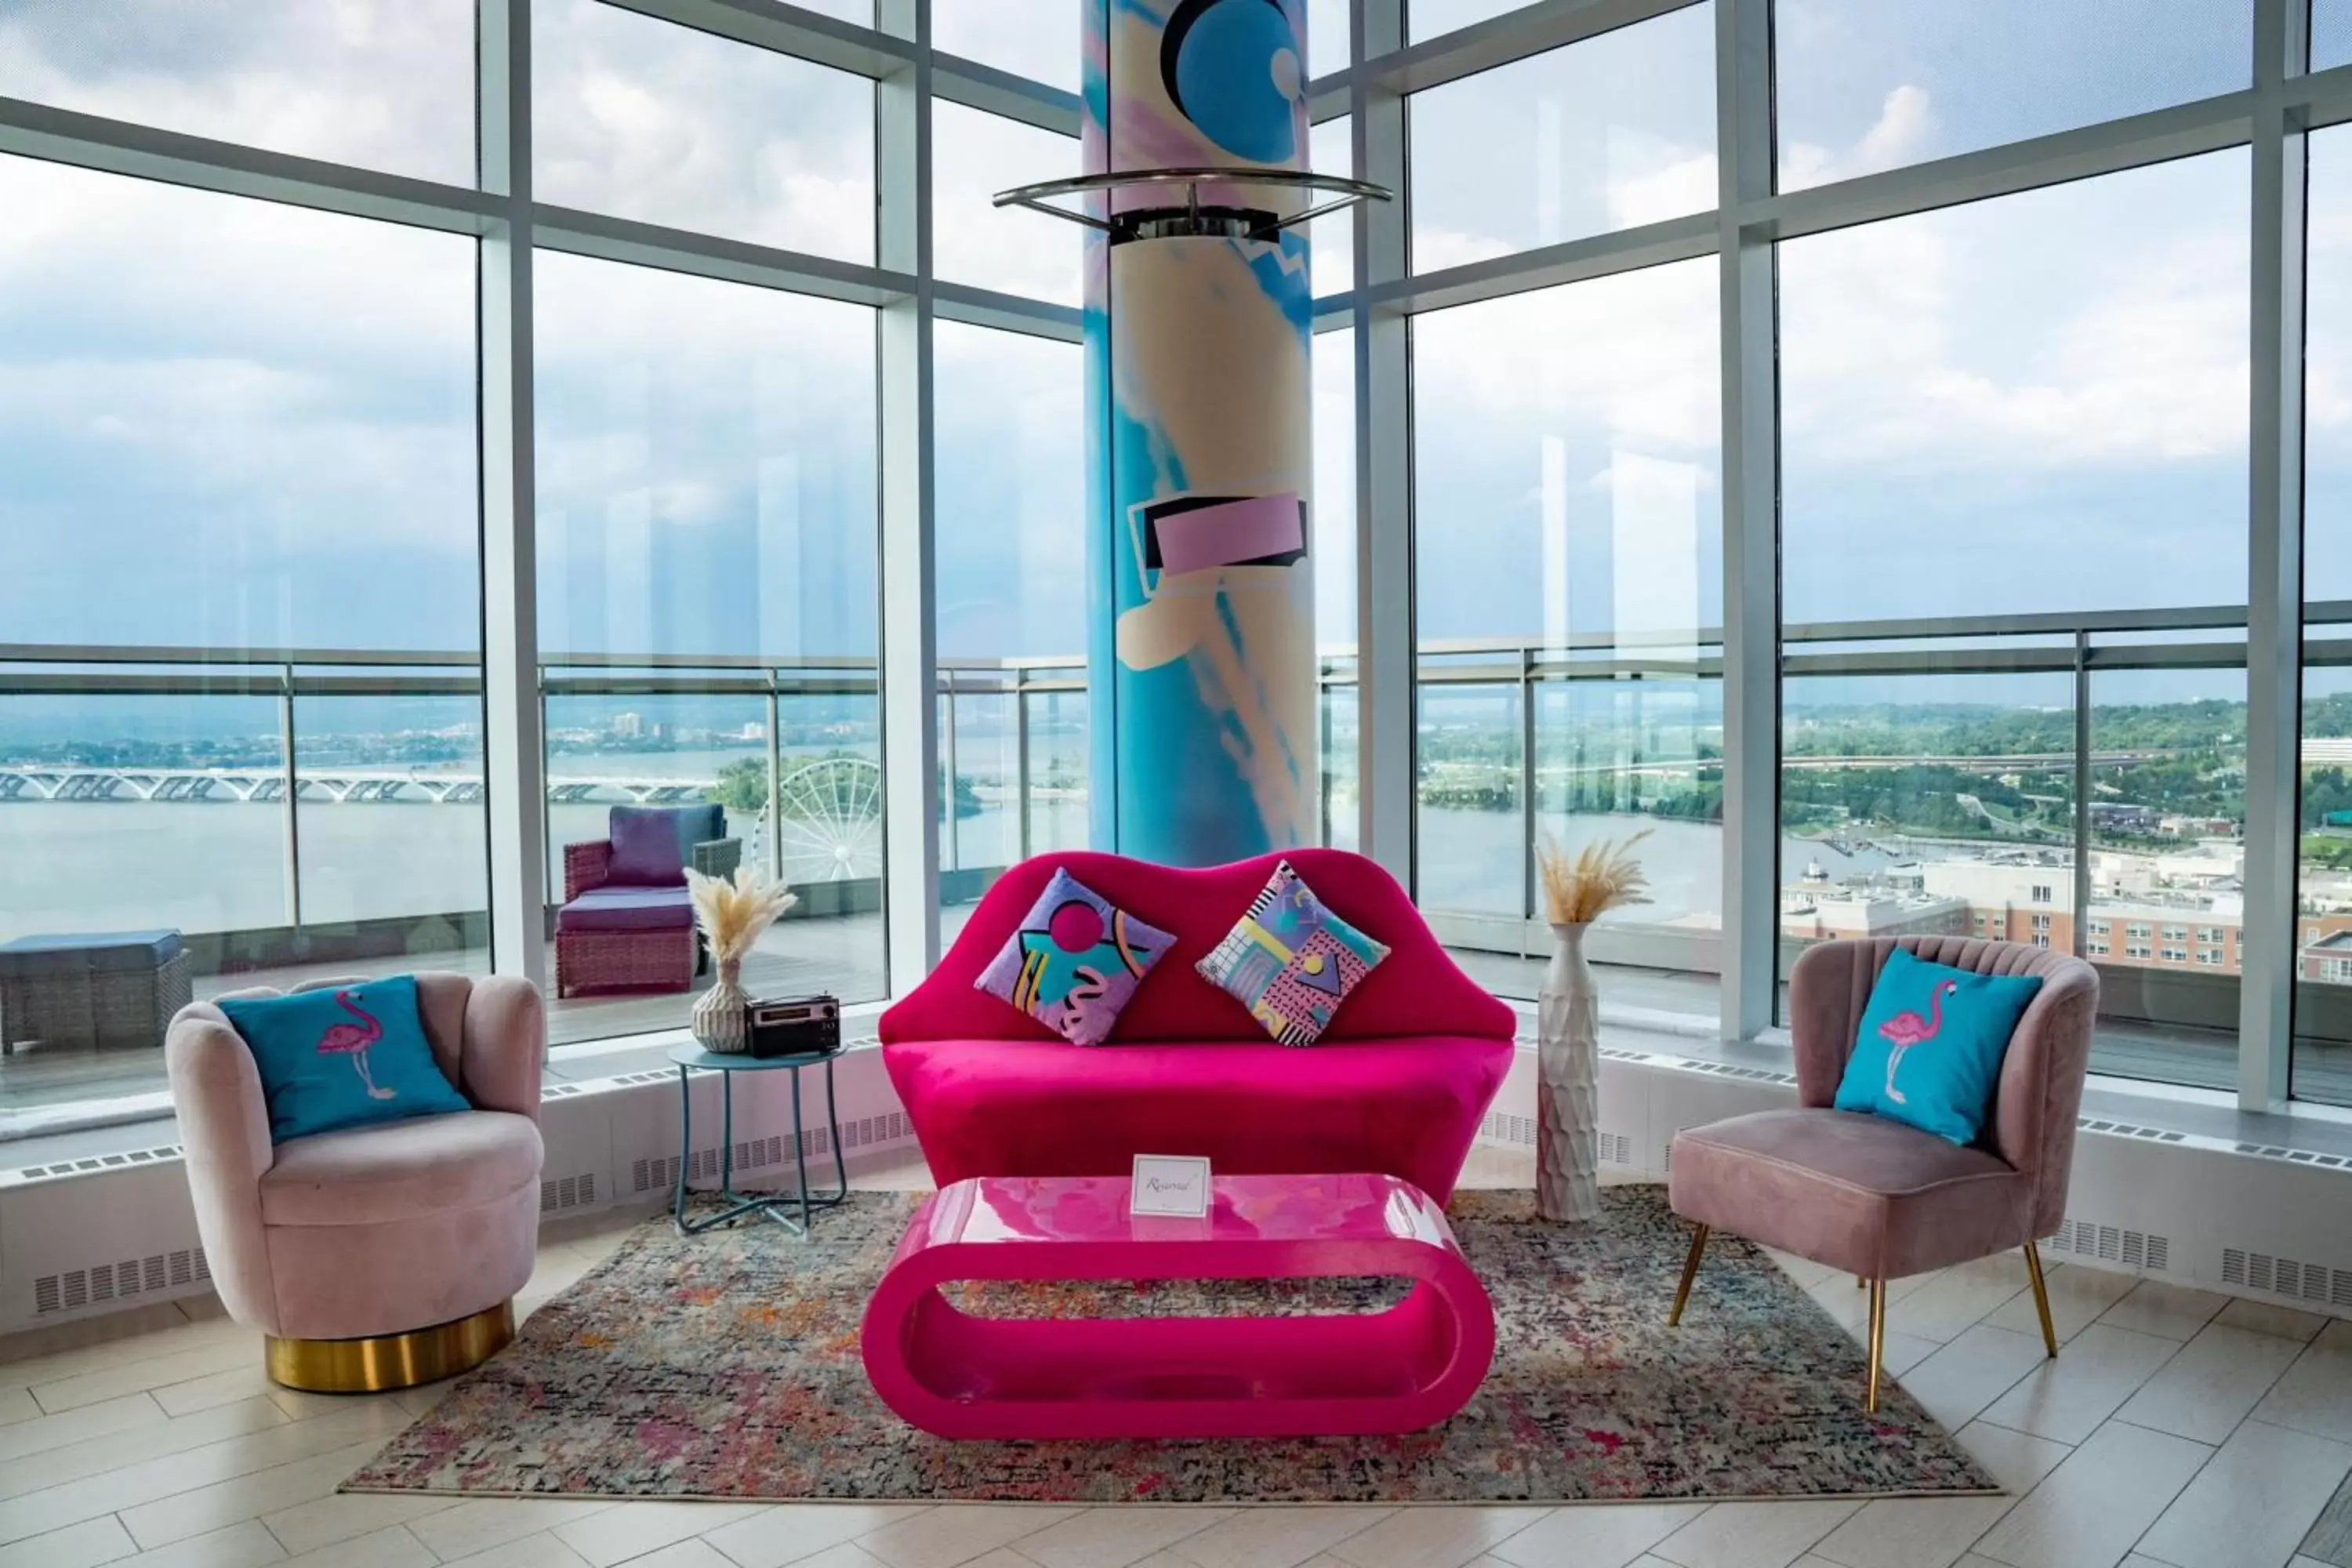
x=960, y=1375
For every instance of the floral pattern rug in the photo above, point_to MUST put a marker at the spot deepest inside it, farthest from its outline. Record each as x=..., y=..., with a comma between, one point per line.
x=727, y=1366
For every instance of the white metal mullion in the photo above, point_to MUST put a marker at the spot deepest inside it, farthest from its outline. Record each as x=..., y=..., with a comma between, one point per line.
x=1002, y=92
x=1385, y=659
x=1751, y=573
x=788, y=29
x=2274, y=563
x=143, y=151
x=910, y=652
x=978, y=307
x=641, y=244
x=1548, y=266
x=1513, y=35
x=514, y=749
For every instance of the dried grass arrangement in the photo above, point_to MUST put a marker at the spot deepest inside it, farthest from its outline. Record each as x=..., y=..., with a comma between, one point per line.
x=1603, y=876
x=733, y=911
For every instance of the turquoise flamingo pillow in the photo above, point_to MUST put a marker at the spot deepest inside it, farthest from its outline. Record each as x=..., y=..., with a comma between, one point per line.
x=1929, y=1048
x=341, y=1057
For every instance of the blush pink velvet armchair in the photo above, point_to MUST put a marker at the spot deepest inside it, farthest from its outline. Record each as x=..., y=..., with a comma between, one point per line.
x=1394, y=1088
x=1872, y=1197
x=373, y=1256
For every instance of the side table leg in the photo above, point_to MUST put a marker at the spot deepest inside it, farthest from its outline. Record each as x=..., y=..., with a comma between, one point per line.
x=833, y=1136
x=685, y=1146
x=727, y=1136
x=800, y=1152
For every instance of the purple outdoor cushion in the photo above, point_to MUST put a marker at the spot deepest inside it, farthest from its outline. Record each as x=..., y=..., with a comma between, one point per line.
x=614, y=908
x=652, y=843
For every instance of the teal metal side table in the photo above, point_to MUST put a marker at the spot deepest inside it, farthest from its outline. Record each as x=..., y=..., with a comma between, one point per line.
x=691, y=1059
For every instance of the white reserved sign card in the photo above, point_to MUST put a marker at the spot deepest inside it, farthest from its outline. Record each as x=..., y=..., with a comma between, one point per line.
x=1170, y=1184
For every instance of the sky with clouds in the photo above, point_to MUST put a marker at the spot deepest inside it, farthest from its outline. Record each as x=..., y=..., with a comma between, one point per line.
x=255, y=425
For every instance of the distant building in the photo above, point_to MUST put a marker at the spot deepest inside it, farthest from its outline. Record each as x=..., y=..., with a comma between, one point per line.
x=2115, y=817
x=1815, y=913
x=628, y=726
x=2328, y=959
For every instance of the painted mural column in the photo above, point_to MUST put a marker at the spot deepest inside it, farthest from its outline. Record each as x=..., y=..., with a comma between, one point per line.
x=1201, y=662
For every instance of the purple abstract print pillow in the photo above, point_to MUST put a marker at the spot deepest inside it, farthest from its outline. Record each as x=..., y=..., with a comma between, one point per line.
x=1290, y=961
x=1075, y=961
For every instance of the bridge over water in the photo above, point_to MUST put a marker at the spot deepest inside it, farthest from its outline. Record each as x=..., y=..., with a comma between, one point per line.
x=338, y=786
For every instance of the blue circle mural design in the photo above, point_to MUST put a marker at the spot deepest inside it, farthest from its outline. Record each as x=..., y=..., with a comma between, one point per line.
x=1219, y=59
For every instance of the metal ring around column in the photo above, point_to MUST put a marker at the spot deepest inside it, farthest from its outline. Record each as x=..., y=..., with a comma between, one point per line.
x=1349, y=192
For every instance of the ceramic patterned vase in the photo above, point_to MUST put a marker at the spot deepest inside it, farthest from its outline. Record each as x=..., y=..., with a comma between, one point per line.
x=718, y=1013
x=1567, y=1092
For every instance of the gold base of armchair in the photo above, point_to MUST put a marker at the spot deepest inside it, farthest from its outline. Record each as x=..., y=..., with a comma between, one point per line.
x=381, y=1362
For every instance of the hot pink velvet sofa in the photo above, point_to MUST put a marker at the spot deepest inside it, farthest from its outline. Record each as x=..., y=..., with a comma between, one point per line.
x=1396, y=1087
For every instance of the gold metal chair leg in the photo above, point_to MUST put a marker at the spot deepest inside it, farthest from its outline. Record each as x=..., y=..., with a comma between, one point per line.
x=384, y=1361
x=1877, y=1341
x=1690, y=1272
x=2041, y=1299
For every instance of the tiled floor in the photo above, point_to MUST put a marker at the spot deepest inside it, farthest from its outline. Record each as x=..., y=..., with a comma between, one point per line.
x=2178, y=1430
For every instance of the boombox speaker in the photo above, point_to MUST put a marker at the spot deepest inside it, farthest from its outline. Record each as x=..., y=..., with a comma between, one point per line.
x=794, y=1026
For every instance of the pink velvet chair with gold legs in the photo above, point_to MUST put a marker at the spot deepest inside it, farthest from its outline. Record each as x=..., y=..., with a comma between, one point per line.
x=1872, y=1197
x=377, y=1256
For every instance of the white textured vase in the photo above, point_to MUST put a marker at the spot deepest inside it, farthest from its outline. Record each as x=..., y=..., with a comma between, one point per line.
x=1568, y=1089
x=718, y=1013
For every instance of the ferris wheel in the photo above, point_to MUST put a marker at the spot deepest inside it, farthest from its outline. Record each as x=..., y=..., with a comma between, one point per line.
x=829, y=826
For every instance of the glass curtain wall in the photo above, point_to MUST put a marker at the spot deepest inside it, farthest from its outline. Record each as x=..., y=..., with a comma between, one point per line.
x=1980, y=434
x=2009, y=428
x=239, y=690
x=1011, y=601
x=2322, y=1068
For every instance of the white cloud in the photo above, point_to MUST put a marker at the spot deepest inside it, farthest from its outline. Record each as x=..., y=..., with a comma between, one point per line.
x=2098, y=322
x=383, y=85
x=1906, y=132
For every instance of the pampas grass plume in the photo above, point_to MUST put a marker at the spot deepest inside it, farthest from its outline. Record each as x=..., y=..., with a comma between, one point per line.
x=733, y=911
x=1603, y=876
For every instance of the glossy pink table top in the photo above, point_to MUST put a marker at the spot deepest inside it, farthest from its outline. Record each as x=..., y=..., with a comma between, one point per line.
x=1246, y=1212
x=1396, y=1370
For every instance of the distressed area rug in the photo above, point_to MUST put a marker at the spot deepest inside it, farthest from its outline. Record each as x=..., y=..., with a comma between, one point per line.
x=727, y=1366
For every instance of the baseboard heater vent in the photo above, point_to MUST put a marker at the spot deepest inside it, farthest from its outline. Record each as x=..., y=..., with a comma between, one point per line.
x=2126, y=1129
x=2112, y=1244
x=1725, y=1069
x=2295, y=1156
x=102, y=1282
x=2285, y=1277
x=1502, y=1128
x=1613, y=1148
x=94, y=1162
x=557, y=1194
x=866, y=1131
x=560, y=1090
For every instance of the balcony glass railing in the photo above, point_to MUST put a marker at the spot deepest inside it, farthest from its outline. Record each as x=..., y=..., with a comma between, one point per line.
x=2080, y=783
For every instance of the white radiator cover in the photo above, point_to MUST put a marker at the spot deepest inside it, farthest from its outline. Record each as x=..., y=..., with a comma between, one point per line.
x=72, y=1236
x=2192, y=1211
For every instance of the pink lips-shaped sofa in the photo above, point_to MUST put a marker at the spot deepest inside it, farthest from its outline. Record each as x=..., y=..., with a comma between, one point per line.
x=1395, y=1087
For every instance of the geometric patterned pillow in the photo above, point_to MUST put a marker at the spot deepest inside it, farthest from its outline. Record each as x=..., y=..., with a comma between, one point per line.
x=1075, y=961
x=1290, y=961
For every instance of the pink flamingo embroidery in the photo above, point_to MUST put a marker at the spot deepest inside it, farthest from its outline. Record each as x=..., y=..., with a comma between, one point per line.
x=1906, y=1029
x=353, y=1040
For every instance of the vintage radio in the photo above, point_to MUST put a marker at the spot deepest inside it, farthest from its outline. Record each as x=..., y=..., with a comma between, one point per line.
x=794, y=1027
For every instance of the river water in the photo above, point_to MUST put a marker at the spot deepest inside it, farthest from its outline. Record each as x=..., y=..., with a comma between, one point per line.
x=222, y=865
